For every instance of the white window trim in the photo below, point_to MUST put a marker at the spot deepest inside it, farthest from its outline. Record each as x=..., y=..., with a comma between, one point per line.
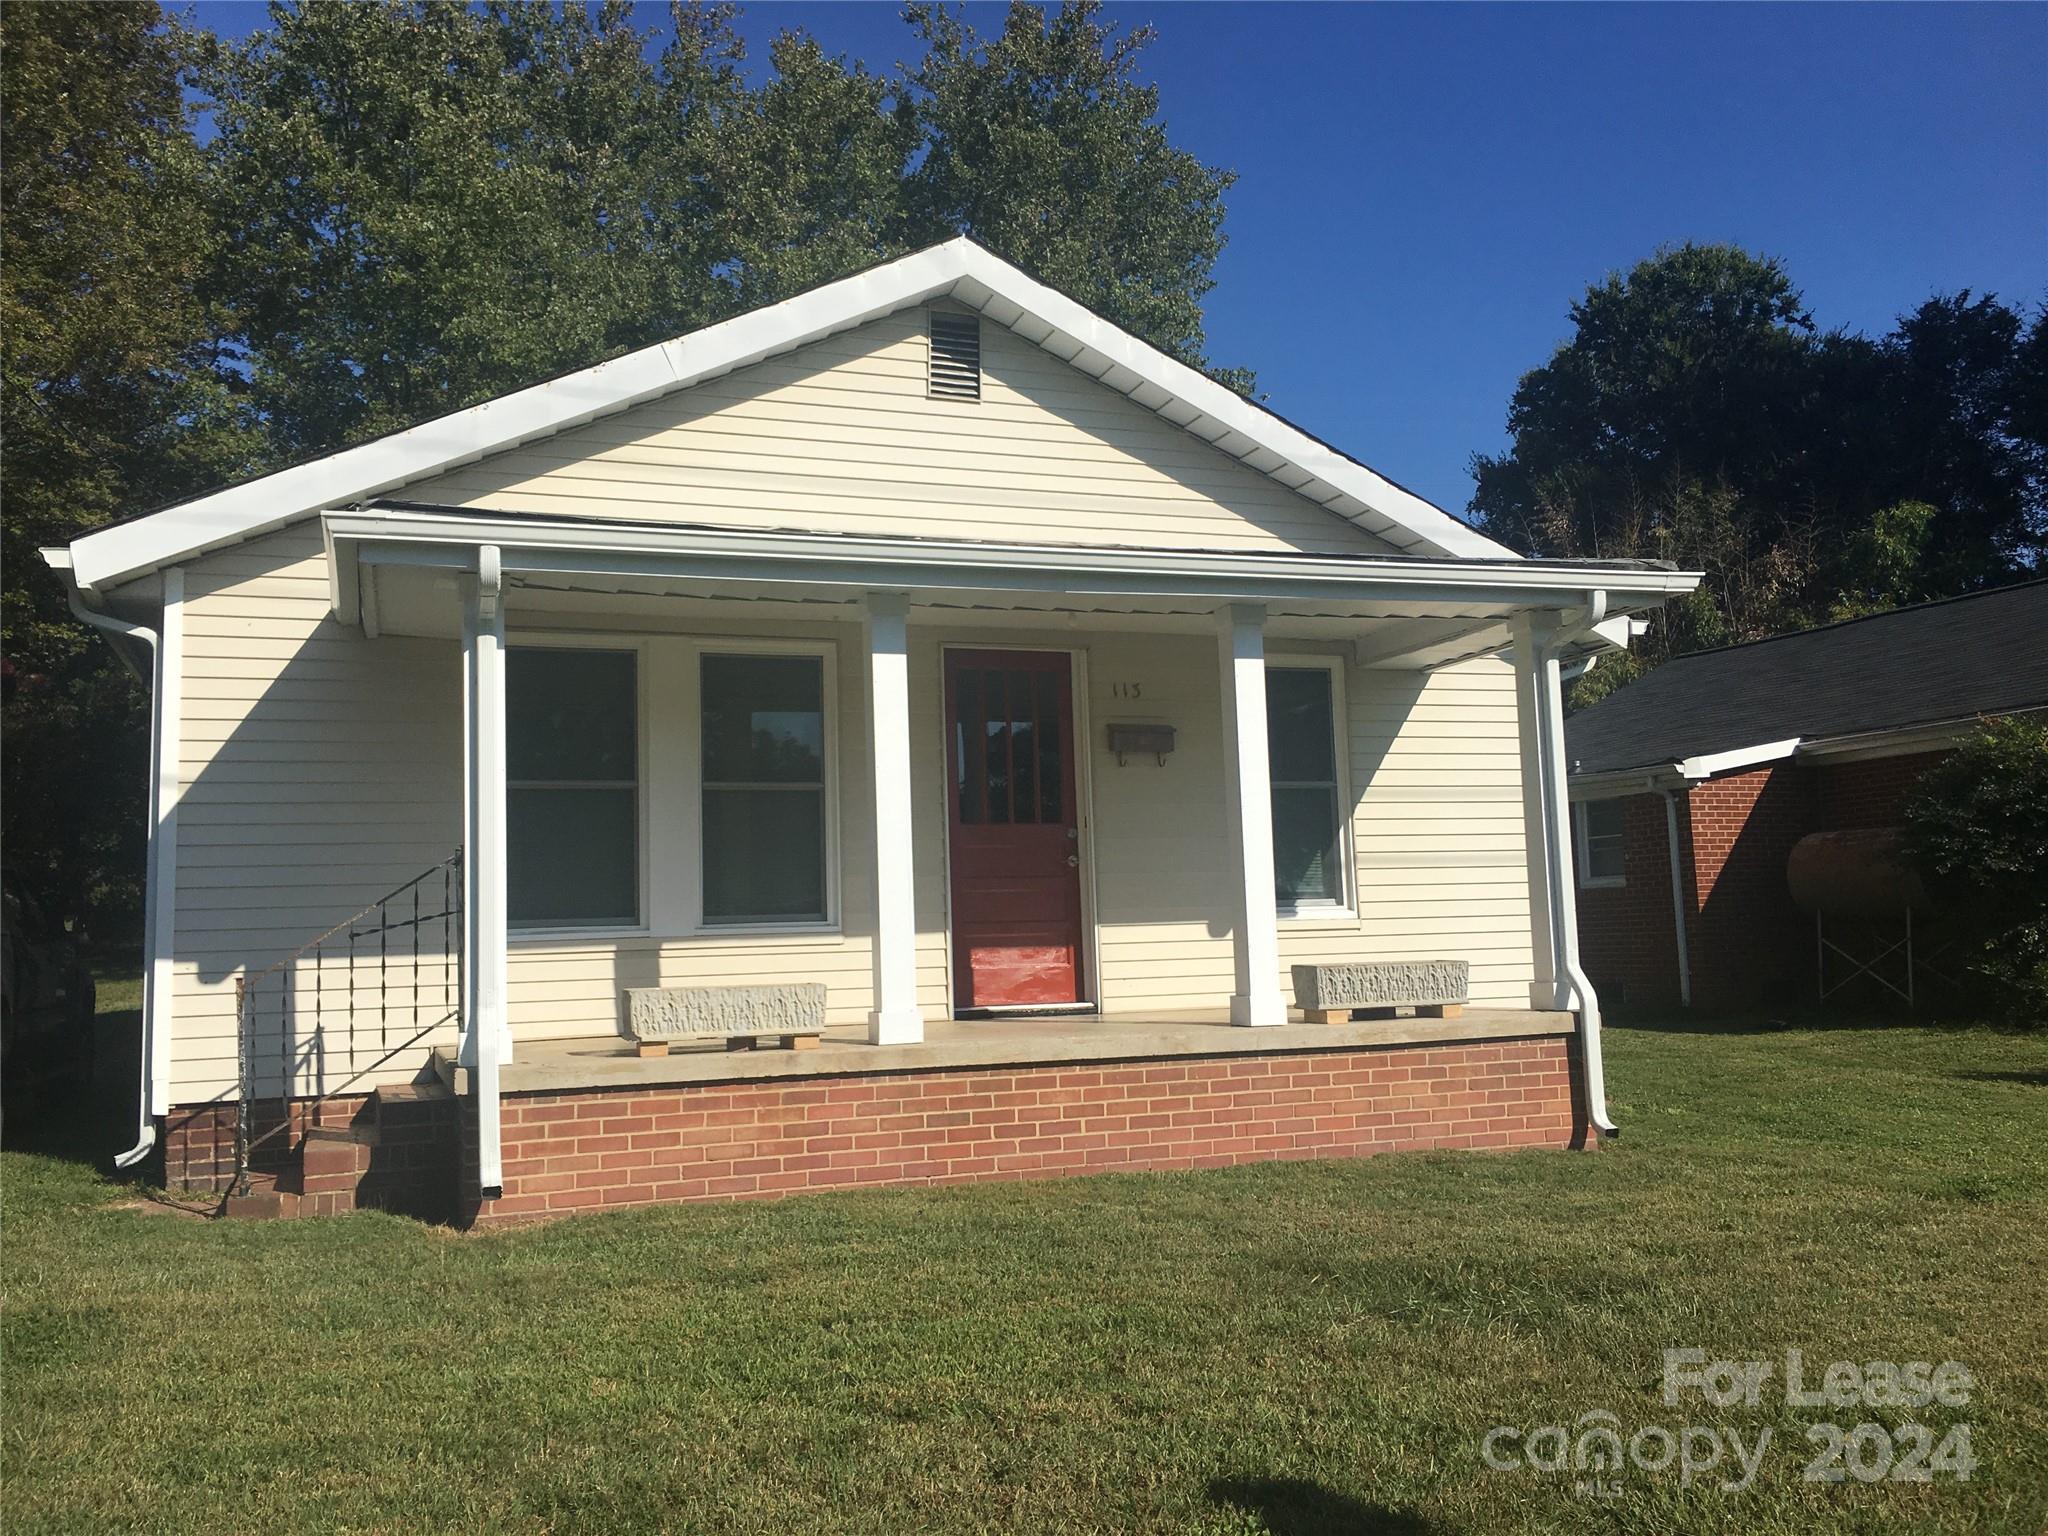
x=1345, y=909
x=671, y=820
x=692, y=719
x=1582, y=853
x=516, y=933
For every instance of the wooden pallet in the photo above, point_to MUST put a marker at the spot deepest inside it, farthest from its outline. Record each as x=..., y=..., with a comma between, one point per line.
x=767, y=1039
x=1346, y=1015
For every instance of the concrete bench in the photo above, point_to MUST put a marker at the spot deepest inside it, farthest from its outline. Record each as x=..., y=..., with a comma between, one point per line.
x=1330, y=994
x=793, y=1011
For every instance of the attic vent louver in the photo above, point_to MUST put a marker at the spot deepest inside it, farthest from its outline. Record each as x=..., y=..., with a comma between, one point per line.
x=955, y=367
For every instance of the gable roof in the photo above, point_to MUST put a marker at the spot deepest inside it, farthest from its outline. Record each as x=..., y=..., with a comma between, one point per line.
x=958, y=269
x=1983, y=654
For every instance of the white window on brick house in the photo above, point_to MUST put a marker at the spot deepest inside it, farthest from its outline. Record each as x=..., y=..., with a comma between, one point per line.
x=1597, y=828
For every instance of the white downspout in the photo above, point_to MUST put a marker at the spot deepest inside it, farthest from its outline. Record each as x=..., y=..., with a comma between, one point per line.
x=1557, y=805
x=1678, y=899
x=145, y=1128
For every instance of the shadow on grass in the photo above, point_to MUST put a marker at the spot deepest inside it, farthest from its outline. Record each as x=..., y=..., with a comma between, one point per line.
x=2035, y=1079
x=83, y=1122
x=1293, y=1506
x=1785, y=1020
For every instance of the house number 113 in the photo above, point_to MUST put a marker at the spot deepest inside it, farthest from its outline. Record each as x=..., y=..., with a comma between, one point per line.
x=1127, y=690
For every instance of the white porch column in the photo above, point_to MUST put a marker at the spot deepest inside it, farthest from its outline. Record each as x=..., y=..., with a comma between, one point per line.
x=1544, y=991
x=486, y=1036
x=1248, y=794
x=896, y=1019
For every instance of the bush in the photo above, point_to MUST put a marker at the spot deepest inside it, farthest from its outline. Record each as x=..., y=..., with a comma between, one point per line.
x=1977, y=832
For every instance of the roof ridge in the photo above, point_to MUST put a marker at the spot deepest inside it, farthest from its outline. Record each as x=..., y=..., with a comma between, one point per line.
x=1861, y=618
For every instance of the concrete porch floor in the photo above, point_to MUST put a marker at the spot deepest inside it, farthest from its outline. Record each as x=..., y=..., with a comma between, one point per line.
x=565, y=1066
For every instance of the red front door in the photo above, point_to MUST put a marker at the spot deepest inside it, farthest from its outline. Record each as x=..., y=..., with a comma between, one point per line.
x=1014, y=829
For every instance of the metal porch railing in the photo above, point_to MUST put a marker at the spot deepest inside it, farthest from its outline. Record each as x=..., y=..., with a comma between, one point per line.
x=340, y=986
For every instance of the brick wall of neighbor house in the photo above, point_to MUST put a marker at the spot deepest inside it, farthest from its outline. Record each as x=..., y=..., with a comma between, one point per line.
x=1872, y=793
x=757, y=1139
x=1627, y=940
x=1749, y=943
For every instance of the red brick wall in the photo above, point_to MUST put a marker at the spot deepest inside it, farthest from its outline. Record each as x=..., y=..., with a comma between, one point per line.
x=1627, y=940
x=409, y=1164
x=1750, y=945
x=761, y=1139
x=1851, y=796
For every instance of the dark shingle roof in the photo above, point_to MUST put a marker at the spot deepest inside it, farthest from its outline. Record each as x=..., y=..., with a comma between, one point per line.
x=1978, y=655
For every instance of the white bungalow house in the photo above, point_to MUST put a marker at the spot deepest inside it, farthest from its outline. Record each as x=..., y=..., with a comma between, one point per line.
x=924, y=639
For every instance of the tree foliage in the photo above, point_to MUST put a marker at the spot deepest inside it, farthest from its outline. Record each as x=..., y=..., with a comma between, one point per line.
x=1697, y=415
x=1977, y=831
x=1043, y=144
x=483, y=196
x=409, y=206
x=108, y=403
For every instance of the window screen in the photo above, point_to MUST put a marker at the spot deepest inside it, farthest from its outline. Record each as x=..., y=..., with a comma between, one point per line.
x=572, y=806
x=1301, y=745
x=763, y=723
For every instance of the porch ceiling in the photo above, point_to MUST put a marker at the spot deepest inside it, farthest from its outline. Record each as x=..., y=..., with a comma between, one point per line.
x=397, y=570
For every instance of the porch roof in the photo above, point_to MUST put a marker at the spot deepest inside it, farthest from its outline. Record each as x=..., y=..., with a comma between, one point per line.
x=392, y=568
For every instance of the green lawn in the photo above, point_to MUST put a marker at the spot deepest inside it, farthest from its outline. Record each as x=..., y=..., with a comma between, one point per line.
x=1315, y=1347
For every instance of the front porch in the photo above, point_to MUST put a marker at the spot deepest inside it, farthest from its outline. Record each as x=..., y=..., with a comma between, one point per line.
x=934, y=779
x=590, y=1124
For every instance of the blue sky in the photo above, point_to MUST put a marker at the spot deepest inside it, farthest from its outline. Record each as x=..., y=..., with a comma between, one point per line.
x=1424, y=189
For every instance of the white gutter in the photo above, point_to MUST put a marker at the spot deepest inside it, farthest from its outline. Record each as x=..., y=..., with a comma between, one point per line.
x=160, y=867
x=1556, y=801
x=1712, y=764
x=448, y=540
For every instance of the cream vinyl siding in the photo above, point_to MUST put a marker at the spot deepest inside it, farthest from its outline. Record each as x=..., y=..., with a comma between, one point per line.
x=1438, y=862
x=1436, y=827
x=320, y=769
x=841, y=437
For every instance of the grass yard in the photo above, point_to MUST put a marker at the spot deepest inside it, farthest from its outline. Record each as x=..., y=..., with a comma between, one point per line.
x=1287, y=1349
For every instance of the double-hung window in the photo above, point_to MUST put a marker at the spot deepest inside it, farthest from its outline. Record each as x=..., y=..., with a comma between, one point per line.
x=572, y=806
x=1308, y=811
x=1601, y=841
x=764, y=795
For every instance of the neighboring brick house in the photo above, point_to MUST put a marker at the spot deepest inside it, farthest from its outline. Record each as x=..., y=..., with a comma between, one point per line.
x=1722, y=760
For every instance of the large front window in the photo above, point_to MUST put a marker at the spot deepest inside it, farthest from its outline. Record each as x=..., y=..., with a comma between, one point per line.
x=572, y=807
x=1301, y=746
x=764, y=788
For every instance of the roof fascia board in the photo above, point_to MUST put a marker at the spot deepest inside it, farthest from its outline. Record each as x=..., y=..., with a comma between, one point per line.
x=412, y=538
x=1690, y=770
x=1901, y=741
x=1432, y=528
x=959, y=267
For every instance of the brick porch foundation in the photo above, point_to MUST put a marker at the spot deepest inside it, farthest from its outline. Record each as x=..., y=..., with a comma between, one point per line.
x=750, y=1140
x=406, y=1160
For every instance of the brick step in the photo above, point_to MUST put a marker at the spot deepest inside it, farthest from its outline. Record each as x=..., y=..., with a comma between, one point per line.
x=266, y=1201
